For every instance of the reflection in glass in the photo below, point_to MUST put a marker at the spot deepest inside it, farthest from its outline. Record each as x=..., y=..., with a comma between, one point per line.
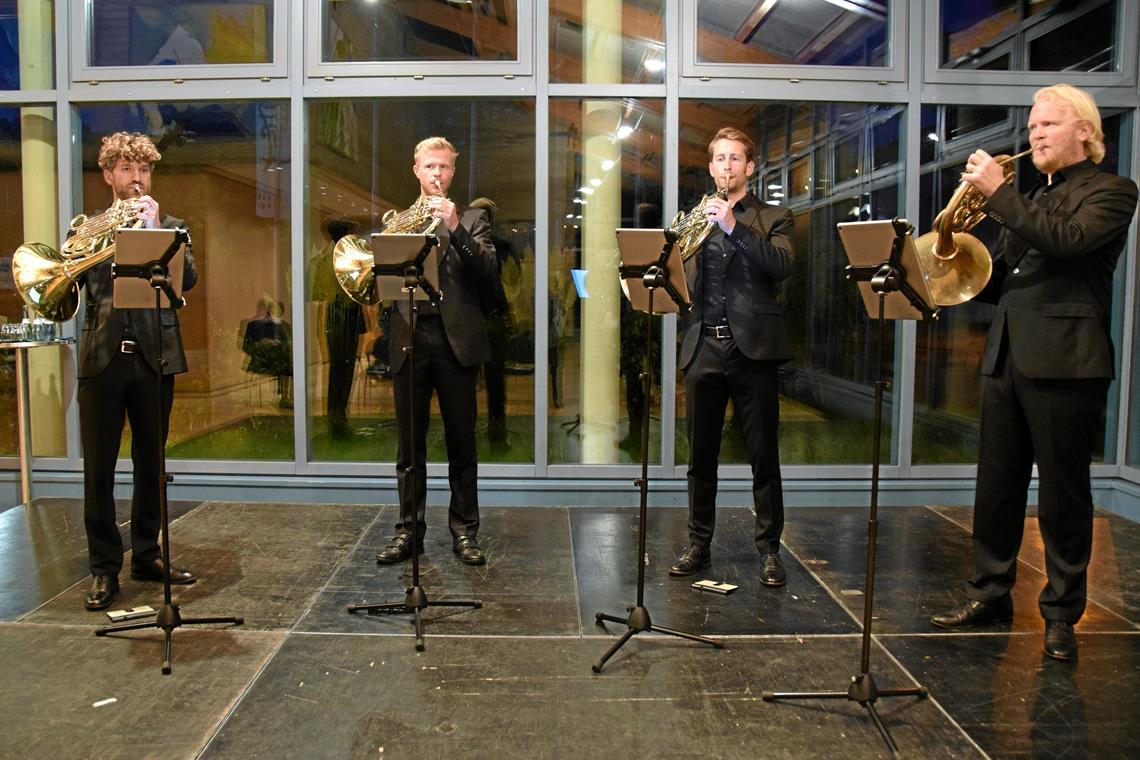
x=1047, y=35
x=605, y=172
x=827, y=390
x=360, y=165
x=29, y=207
x=803, y=33
x=177, y=33
x=27, y=45
x=947, y=397
x=225, y=170
x=426, y=30
x=630, y=35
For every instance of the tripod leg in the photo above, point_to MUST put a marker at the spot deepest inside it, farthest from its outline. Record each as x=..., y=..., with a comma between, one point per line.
x=597, y=666
x=167, y=654
x=209, y=620
x=419, y=624
x=689, y=636
x=894, y=748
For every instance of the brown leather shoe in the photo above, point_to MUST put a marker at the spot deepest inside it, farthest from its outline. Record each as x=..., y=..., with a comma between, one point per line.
x=773, y=574
x=398, y=550
x=102, y=593
x=974, y=613
x=1060, y=640
x=151, y=570
x=694, y=558
x=467, y=547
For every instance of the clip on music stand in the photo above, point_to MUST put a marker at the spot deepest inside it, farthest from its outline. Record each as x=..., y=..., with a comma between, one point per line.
x=892, y=289
x=408, y=263
x=152, y=260
x=648, y=263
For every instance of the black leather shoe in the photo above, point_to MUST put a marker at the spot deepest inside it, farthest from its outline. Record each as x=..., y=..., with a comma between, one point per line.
x=975, y=613
x=773, y=573
x=1060, y=640
x=102, y=593
x=469, y=552
x=399, y=550
x=151, y=570
x=694, y=558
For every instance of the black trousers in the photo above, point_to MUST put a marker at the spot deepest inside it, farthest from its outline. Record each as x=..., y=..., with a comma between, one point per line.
x=437, y=369
x=717, y=374
x=1054, y=422
x=125, y=390
x=342, y=336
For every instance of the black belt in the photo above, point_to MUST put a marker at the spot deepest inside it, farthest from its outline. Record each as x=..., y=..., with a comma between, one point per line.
x=129, y=347
x=720, y=332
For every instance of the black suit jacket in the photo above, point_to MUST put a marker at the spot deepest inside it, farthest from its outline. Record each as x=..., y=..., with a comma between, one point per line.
x=467, y=267
x=103, y=328
x=761, y=256
x=1053, y=274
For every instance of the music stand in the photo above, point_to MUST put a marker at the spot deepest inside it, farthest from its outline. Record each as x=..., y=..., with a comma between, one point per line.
x=648, y=263
x=152, y=260
x=893, y=289
x=408, y=263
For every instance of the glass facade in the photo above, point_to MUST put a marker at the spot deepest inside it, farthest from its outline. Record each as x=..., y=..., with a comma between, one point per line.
x=360, y=161
x=1048, y=35
x=573, y=117
x=225, y=171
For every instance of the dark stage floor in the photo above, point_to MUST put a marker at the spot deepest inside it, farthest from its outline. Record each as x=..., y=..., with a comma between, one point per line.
x=305, y=679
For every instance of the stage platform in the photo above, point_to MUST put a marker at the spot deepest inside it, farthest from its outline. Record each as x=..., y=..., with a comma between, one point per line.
x=303, y=678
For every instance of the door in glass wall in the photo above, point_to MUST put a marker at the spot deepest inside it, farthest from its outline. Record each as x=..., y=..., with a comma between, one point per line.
x=360, y=168
x=605, y=172
x=225, y=171
x=28, y=204
x=827, y=163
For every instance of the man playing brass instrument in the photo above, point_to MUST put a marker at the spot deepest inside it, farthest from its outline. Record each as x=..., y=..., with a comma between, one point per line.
x=733, y=340
x=1048, y=362
x=116, y=382
x=450, y=344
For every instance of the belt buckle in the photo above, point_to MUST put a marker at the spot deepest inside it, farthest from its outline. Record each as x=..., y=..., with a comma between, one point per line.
x=128, y=346
x=721, y=332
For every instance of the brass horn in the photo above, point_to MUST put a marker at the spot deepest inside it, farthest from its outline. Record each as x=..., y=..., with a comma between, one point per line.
x=957, y=265
x=693, y=227
x=352, y=255
x=48, y=280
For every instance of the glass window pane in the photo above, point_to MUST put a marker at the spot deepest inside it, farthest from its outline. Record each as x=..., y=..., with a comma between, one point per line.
x=620, y=42
x=225, y=171
x=28, y=204
x=360, y=161
x=949, y=350
x=429, y=30
x=27, y=45
x=803, y=33
x=605, y=172
x=1011, y=35
x=177, y=33
x=827, y=390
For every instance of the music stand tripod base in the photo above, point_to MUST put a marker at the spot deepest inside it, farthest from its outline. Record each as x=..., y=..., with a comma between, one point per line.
x=157, y=272
x=391, y=254
x=651, y=271
x=888, y=277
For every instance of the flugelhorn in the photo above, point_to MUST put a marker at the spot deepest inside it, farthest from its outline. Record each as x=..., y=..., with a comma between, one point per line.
x=955, y=263
x=48, y=280
x=691, y=229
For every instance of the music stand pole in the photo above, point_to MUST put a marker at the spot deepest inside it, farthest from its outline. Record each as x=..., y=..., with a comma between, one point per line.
x=885, y=278
x=168, y=618
x=638, y=621
x=415, y=598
